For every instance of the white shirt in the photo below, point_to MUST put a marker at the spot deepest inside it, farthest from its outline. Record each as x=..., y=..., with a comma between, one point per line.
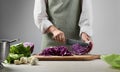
x=42, y=22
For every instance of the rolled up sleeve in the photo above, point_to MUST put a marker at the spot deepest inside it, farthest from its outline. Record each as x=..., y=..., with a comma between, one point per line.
x=85, y=21
x=40, y=15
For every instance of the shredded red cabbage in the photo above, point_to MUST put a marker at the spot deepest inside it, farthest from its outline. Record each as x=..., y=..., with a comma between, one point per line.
x=76, y=49
x=56, y=51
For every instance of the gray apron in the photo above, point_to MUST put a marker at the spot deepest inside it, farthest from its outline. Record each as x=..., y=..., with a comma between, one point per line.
x=64, y=14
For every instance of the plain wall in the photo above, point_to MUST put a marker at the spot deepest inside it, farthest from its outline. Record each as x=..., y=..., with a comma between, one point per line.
x=106, y=26
x=16, y=21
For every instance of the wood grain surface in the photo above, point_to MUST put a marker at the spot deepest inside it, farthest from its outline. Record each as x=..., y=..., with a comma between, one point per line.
x=68, y=58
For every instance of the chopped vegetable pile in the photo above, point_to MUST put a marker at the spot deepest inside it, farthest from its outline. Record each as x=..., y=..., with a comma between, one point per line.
x=19, y=50
x=56, y=51
x=76, y=49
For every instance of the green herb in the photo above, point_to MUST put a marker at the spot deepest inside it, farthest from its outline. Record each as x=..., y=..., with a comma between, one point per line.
x=11, y=57
x=112, y=59
x=17, y=51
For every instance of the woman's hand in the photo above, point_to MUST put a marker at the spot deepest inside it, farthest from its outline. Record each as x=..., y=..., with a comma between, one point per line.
x=58, y=35
x=85, y=37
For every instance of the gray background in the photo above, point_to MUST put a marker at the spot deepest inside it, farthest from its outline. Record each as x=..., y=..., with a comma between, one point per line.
x=16, y=21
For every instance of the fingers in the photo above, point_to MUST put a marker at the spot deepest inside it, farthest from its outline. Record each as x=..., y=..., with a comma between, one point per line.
x=63, y=39
x=86, y=38
x=59, y=36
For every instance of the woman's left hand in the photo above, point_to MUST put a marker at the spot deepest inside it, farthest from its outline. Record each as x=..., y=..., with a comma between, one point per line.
x=85, y=37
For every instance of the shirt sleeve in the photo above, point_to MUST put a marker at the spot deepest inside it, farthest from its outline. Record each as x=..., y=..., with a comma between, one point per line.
x=85, y=21
x=40, y=15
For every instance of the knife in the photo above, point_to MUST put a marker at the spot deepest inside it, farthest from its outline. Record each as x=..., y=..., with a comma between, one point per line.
x=73, y=41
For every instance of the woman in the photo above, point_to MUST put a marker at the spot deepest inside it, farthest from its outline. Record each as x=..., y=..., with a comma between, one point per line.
x=62, y=19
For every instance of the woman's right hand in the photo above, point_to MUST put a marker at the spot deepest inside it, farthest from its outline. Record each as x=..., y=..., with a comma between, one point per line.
x=58, y=35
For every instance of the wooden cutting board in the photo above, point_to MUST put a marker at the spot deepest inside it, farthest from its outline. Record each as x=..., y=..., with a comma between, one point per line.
x=68, y=58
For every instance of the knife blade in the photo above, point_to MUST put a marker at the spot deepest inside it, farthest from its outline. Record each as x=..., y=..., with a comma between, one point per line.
x=73, y=41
